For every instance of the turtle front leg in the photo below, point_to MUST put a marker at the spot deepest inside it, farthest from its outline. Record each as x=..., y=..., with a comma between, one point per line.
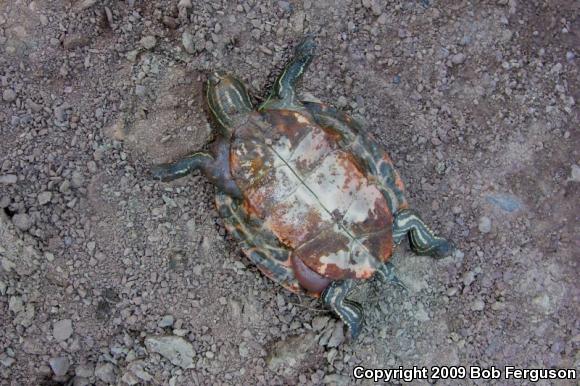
x=217, y=169
x=284, y=89
x=422, y=239
x=181, y=168
x=350, y=312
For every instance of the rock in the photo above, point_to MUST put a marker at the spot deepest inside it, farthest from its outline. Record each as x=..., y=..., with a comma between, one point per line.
x=174, y=348
x=575, y=174
x=187, y=41
x=336, y=379
x=44, y=198
x=319, y=323
x=85, y=370
x=184, y=4
x=15, y=304
x=458, y=58
x=74, y=41
x=243, y=350
x=59, y=365
x=506, y=202
x=477, y=305
x=64, y=187
x=26, y=317
x=62, y=330
x=148, y=42
x=22, y=221
x=137, y=369
x=468, y=278
x=337, y=336
x=84, y=4
x=421, y=314
x=170, y=22
x=106, y=373
x=484, y=225
x=77, y=180
x=291, y=353
x=297, y=21
x=166, y=321
x=129, y=378
x=80, y=381
x=556, y=69
x=8, y=95
x=6, y=360
x=8, y=179
x=140, y=90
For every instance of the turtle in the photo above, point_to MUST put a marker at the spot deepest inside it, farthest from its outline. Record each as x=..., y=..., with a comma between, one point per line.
x=311, y=197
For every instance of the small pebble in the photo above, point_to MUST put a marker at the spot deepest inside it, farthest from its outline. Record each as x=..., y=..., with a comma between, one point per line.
x=44, y=198
x=468, y=278
x=22, y=221
x=484, y=225
x=148, y=42
x=166, y=321
x=59, y=365
x=477, y=305
x=575, y=173
x=337, y=336
x=187, y=41
x=106, y=373
x=62, y=330
x=458, y=58
x=8, y=179
x=9, y=95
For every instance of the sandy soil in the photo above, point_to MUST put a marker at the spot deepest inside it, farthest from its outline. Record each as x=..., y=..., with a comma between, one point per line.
x=476, y=101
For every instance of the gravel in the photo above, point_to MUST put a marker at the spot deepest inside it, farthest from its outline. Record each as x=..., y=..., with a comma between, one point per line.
x=476, y=104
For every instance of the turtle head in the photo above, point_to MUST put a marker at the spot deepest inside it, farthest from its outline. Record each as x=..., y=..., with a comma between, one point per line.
x=227, y=98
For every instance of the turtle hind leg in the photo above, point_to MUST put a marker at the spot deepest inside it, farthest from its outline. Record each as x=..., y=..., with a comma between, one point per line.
x=350, y=312
x=284, y=88
x=422, y=239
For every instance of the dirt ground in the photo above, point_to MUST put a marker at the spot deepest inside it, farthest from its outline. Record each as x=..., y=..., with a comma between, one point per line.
x=109, y=277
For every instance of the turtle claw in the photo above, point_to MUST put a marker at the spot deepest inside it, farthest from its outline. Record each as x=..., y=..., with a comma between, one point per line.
x=355, y=319
x=160, y=172
x=306, y=47
x=386, y=274
x=443, y=249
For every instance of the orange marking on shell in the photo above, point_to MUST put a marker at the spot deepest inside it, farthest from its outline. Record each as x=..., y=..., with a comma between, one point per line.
x=399, y=182
x=250, y=208
x=386, y=158
x=293, y=231
x=334, y=135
